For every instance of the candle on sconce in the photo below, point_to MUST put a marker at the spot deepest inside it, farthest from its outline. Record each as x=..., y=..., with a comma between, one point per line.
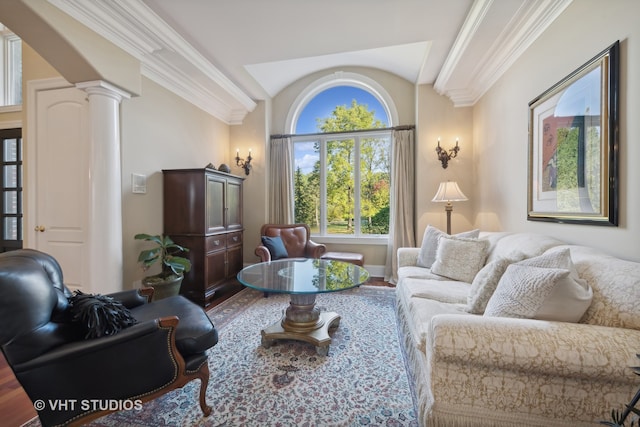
x=244, y=163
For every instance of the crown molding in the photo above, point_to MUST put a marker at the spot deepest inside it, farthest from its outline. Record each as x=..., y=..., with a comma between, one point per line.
x=529, y=22
x=165, y=57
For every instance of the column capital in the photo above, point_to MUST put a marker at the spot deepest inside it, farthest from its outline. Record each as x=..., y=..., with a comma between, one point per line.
x=100, y=87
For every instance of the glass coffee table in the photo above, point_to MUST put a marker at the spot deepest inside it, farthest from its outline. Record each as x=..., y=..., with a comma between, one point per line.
x=303, y=279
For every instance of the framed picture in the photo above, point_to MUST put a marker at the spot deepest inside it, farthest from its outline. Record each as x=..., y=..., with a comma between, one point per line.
x=573, y=146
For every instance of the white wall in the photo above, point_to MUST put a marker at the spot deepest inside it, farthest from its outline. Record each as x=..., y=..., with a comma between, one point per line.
x=161, y=131
x=501, y=119
x=438, y=118
x=252, y=134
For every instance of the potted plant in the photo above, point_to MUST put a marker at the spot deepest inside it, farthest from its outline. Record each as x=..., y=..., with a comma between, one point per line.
x=168, y=281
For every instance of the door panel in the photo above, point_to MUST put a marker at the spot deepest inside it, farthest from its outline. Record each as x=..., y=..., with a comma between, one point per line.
x=215, y=204
x=234, y=205
x=62, y=180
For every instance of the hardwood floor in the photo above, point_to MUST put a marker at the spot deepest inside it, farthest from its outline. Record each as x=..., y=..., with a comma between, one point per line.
x=15, y=406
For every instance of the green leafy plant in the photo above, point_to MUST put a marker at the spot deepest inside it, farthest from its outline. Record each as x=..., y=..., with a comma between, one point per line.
x=165, y=252
x=619, y=418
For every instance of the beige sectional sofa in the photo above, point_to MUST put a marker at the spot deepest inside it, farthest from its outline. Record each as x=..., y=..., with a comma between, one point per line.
x=489, y=370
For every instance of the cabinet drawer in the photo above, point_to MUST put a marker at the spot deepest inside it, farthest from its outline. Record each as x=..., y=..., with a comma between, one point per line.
x=234, y=239
x=216, y=243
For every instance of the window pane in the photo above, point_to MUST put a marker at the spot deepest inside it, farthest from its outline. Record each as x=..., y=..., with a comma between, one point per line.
x=11, y=229
x=340, y=186
x=14, y=71
x=10, y=202
x=11, y=176
x=375, y=178
x=306, y=184
x=10, y=150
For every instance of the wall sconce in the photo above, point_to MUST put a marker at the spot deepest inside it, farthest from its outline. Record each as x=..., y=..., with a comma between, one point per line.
x=244, y=164
x=444, y=157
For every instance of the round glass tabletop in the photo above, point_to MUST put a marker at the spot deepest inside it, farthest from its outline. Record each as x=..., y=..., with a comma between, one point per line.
x=302, y=276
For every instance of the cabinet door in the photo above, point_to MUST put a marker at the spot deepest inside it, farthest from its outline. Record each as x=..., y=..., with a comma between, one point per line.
x=215, y=214
x=234, y=261
x=234, y=205
x=216, y=269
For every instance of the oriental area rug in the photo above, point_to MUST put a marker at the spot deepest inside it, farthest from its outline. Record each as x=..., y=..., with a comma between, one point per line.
x=362, y=382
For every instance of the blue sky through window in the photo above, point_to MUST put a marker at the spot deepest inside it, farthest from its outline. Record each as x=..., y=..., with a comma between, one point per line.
x=323, y=104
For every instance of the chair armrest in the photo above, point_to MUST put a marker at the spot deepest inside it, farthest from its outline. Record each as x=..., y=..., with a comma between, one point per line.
x=524, y=345
x=408, y=257
x=315, y=250
x=132, y=298
x=263, y=253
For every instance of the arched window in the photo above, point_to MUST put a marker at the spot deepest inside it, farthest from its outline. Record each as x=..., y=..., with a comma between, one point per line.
x=342, y=157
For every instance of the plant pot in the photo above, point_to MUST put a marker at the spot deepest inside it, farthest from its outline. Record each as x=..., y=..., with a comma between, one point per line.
x=163, y=288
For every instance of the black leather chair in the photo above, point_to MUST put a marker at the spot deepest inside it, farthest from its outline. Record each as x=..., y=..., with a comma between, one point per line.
x=53, y=362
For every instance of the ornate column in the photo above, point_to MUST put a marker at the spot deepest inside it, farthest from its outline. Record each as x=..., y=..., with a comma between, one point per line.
x=105, y=187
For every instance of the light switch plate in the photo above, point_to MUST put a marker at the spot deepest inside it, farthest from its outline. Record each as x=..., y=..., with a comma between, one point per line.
x=138, y=183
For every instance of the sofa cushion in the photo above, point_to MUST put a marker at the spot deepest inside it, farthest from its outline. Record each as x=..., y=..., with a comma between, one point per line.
x=519, y=246
x=417, y=273
x=421, y=311
x=484, y=284
x=442, y=290
x=429, y=247
x=571, y=297
x=522, y=291
x=562, y=298
x=459, y=258
x=616, y=288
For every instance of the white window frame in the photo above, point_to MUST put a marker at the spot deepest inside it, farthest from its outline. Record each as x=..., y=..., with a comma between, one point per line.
x=321, y=139
x=8, y=72
x=342, y=78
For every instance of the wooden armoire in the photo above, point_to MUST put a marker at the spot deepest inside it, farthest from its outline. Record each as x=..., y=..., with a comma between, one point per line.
x=203, y=212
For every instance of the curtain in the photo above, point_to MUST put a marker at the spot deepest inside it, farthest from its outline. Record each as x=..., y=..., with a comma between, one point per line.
x=280, y=173
x=401, y=229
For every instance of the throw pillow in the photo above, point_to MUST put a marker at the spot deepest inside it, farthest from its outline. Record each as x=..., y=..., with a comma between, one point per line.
x=484, y=284
x=522, y=290
x=275, y=246
x=571, y=297
x=99, y=315
x=429, y=246
x=459, y=258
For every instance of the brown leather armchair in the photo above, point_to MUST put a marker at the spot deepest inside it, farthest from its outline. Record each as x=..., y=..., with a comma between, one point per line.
x=52, y=360
x=296, y=241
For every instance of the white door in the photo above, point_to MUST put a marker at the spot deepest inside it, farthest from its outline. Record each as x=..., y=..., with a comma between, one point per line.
x=61, y=144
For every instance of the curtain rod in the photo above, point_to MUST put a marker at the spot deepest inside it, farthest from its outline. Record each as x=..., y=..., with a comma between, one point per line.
x=403, y=127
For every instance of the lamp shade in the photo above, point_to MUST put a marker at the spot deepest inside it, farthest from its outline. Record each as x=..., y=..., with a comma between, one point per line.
x=449, y=192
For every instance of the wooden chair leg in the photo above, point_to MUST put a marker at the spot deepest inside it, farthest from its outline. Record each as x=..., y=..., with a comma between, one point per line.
x=203, y=374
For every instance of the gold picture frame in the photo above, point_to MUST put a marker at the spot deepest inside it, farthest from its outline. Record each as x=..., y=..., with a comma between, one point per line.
x=573, y=146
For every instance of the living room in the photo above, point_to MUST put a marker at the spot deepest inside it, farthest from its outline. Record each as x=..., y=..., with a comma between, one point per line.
x=161, y=130
x=493, y=137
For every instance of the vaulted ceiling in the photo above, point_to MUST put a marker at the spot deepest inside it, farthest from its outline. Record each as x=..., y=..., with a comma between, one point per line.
x=226, y=55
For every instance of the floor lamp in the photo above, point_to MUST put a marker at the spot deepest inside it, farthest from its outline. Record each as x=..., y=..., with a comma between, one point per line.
x=449, y=192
